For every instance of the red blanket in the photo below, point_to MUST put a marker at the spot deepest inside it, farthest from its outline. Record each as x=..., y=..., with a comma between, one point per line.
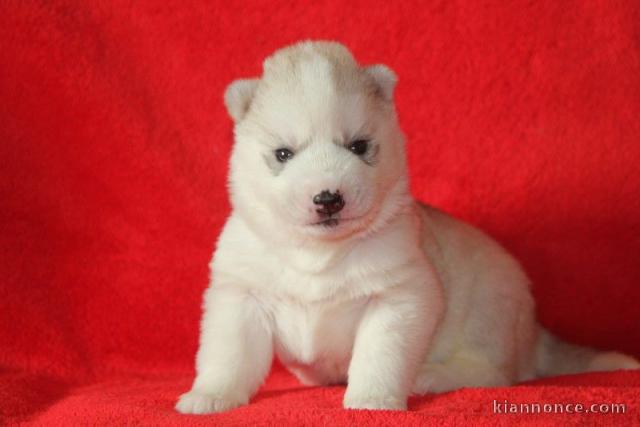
x=522, y=118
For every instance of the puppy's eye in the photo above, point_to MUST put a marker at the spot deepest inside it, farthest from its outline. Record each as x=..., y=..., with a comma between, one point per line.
x=283, y=154
x=359, y=146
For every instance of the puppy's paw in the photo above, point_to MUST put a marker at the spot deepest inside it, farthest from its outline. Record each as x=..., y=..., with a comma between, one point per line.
x=195, y=402
x=374, y=402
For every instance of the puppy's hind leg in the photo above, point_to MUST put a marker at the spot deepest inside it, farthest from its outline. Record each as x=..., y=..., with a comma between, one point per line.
x=462, y=370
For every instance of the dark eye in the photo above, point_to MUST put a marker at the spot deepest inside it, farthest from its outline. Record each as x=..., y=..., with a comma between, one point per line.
x=359, y=146
x=283, y=154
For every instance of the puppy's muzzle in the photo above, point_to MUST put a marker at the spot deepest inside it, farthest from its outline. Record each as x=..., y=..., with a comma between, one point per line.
x=330, y=203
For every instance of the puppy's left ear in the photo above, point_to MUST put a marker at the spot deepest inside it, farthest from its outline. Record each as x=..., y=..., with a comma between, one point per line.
x=385, y=79
x=238, y=96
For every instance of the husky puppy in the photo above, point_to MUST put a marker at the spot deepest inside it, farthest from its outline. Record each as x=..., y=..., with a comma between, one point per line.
x=327, y=261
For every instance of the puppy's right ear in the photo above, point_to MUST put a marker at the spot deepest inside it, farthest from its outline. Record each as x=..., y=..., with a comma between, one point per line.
x=238, y=96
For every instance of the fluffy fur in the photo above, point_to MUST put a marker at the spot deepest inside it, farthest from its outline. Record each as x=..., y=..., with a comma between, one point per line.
x=394, y=298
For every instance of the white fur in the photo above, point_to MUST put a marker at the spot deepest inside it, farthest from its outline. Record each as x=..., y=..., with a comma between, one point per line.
x=396, y=299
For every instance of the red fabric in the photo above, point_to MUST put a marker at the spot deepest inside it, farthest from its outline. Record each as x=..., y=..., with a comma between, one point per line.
x=522, y=118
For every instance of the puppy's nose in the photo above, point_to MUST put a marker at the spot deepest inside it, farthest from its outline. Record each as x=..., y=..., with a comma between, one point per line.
x=330, y=202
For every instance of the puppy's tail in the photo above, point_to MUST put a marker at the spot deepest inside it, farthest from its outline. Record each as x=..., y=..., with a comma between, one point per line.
x=556, y=357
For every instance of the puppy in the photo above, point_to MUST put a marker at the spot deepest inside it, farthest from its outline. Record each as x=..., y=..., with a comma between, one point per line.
x=327, y=262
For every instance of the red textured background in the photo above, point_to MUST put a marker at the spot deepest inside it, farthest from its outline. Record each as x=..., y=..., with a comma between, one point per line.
x=522, y=118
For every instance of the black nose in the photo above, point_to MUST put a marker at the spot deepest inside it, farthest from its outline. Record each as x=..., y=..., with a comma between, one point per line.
x=331, y=202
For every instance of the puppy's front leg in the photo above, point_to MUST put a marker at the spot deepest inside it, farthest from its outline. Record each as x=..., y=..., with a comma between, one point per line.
x=234, y=356
x=390, y=345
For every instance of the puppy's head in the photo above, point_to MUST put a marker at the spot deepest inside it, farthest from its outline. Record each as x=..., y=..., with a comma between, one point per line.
x=318, y=152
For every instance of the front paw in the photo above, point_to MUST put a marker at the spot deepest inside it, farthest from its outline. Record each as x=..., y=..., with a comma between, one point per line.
x=195, y=402
x=373, y=402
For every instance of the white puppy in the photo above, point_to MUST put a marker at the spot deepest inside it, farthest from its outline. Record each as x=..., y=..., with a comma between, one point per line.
x=327, y=261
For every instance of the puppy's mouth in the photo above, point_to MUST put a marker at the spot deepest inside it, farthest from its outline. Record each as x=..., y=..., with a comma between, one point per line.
x=327, y=222
x=331, y=221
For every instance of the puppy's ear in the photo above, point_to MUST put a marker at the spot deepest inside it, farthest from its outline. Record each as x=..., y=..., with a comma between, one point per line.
x=238, y=96
x=385, y=79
